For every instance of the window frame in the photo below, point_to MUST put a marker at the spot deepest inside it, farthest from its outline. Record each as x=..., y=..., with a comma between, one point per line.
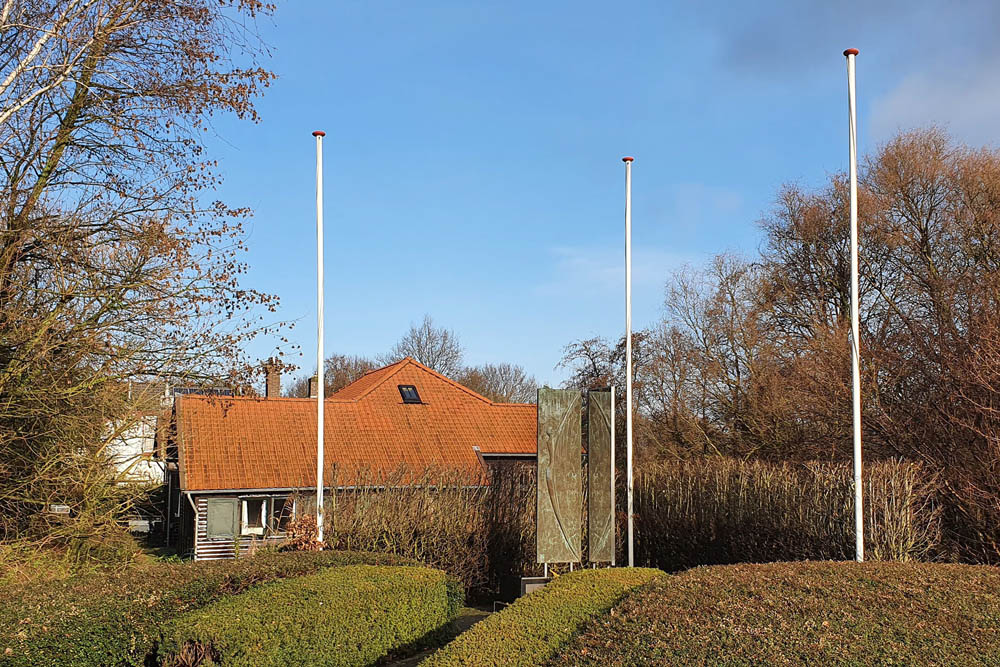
x=273, y=527
x=404, y=389
x=247, y=530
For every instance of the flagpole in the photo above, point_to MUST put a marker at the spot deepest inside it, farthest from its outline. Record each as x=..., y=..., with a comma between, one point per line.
x=859, y=528
x=614, y=525
x=319, y=334
x=628, y=355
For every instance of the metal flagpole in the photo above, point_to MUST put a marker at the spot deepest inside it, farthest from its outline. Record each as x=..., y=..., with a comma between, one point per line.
x=859, y=528
x=319, y=333
x=628, y=353
x=614, y=529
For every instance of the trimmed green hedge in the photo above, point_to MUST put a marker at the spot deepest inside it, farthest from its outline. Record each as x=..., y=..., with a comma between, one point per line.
x=802, y=614
x=532, y=629
x=349, y=616
x=115, y=619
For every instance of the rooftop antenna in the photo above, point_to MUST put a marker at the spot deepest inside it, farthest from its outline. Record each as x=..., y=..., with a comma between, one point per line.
x=628, y=353
x=859, y=527
x=319, y=333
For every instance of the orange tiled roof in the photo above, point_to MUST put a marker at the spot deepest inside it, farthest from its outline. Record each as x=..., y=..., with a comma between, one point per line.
x=254, y=443
x=370, y=380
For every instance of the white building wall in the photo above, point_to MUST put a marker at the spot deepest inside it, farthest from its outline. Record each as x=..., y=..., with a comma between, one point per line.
x=131, y=452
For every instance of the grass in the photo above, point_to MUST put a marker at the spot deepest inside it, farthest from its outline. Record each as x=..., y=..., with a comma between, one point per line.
x=802, y=613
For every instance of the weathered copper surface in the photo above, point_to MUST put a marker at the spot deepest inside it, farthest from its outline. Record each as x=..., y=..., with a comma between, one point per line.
x=600, y=490
x=560, y=493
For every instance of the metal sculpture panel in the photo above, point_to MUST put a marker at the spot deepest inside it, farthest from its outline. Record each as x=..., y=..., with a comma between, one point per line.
x=600, y=477
x=560, y=492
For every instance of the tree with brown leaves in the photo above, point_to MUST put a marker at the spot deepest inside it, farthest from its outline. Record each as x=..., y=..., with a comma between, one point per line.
x=754, y=357
x=114, y=262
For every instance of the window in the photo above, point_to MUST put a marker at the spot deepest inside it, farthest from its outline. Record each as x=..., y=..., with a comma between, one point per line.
x=409, y=393
x=147, y=434
x=282, y=510
x=222, y=518
x=254, y=516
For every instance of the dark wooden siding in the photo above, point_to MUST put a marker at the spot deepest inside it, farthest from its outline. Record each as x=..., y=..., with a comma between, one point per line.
x=222, y=548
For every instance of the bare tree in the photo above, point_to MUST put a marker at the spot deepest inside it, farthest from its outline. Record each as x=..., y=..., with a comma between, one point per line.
x=339, y=370
x=435, y=347
x=591, y=362
x=501, y=383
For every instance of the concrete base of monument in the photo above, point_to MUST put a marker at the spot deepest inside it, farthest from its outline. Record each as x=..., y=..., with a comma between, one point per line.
x=513, y=586
x=530, y=584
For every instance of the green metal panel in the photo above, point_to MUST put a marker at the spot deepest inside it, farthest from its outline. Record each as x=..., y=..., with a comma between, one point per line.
x=600, y=487
x=223, y=518
x=560, y=492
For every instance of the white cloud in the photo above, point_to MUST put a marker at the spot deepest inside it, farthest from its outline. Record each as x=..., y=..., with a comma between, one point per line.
x=674, y=231
x=964, y=101
x=602, y=269
x=695, y=204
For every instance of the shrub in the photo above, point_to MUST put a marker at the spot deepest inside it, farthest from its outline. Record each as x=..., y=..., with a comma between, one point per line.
x=803, y=614
x=509, y=522
x=115, y=619
x=22, y=563
x=532, y=629
x=342, y=616
x=302, y=534
x=433, y=516
x=718, y=510
x=705, y=511
x=445, y=518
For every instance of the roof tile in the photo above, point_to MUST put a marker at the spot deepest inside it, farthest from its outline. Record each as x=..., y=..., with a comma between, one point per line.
x=253, y=443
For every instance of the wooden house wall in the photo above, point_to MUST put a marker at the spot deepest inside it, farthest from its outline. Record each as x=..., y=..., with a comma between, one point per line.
x=223, y=548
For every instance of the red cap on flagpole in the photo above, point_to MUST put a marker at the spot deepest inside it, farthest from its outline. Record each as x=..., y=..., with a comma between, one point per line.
x=851, y=52
x=628, y=158
x=319, y=133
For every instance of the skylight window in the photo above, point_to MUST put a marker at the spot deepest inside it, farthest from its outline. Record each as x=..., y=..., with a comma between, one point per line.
x=409, y=393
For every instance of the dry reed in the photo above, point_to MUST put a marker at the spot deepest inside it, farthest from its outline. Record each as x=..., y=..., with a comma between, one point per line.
x=705, y=511
x=719, y=510
x=454, y=520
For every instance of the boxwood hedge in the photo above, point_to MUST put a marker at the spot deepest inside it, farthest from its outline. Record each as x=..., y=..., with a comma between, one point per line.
x=533, y=629
x=818, y=613
x=115, y=619
x=341, y=616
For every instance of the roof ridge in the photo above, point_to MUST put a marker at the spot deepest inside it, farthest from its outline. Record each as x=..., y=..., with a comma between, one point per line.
x=272, y=399
x=455, y=383
x=401, y=364
x=382, y=368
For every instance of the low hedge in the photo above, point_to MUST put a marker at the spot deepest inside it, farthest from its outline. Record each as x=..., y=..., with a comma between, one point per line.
x=803, y=614
x=115, y=619
x=532, y=629
x=347, y=616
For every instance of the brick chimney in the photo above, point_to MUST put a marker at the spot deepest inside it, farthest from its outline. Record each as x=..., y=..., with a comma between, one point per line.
x=313, y=387
x=272, y=385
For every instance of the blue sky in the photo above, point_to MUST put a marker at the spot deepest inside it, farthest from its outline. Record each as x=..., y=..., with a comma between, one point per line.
x=472, y=157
